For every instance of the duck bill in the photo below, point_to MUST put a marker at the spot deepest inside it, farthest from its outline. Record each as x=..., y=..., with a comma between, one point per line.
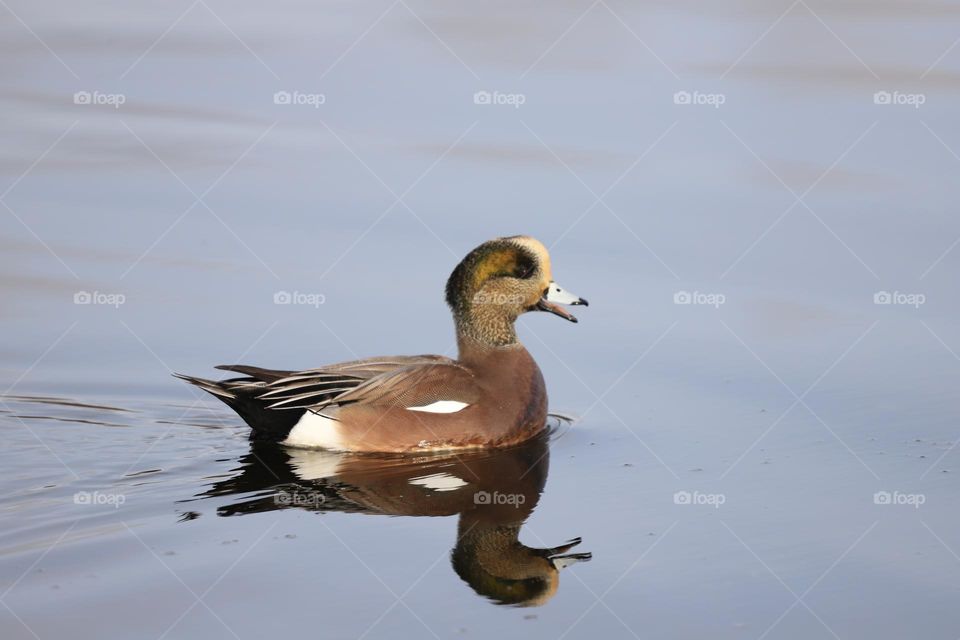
x=554, y=297
x=564, y=561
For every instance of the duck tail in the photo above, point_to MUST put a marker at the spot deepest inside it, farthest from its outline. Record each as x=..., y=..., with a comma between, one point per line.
x=210, y=386
x=240, y=394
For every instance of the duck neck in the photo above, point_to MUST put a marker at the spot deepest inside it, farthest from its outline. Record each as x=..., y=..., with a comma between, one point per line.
x=484, y=327
x=479, y=535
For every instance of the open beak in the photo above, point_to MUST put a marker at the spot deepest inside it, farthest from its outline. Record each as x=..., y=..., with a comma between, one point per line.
x=554, y=297
x=559, y=557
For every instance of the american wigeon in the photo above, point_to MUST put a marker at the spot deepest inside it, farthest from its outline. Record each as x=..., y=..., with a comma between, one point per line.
x=493, y=491
x=492, y=395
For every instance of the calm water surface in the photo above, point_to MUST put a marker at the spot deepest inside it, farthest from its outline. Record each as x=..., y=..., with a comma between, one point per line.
x=763, y=447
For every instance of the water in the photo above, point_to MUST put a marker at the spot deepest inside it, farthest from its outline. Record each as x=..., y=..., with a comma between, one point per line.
x=784, y=404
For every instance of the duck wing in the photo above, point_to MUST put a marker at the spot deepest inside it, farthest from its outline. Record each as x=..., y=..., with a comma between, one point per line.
x=318, y=388
x=417, y=387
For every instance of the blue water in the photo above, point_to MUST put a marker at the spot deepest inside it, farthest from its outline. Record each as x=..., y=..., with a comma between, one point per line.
x=782, y=399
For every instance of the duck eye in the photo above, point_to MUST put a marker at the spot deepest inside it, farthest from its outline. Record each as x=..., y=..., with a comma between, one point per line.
x=525, y=271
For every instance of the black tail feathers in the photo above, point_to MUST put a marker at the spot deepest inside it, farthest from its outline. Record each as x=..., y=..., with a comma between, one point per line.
x=242, y=397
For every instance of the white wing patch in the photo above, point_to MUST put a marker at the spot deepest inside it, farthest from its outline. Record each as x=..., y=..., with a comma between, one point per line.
x=441, y=406
x=439, y=482
x=315, y=430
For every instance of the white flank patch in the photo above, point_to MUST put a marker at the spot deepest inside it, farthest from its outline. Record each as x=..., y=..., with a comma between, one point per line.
x=441, y=406
x=439, y=482
x=315, y=430
x=315, y=465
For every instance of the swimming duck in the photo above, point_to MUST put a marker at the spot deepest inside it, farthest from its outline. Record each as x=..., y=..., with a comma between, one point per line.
x=491, y=395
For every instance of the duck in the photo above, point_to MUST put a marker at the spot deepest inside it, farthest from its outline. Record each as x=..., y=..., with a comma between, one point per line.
x=491, y=492
x=491, y=395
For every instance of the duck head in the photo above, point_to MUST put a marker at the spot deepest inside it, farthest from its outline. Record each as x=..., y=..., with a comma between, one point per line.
x=498, y=281
x=492, y=560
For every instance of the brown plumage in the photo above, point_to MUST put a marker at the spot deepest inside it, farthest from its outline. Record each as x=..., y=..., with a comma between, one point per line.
x=492, y=395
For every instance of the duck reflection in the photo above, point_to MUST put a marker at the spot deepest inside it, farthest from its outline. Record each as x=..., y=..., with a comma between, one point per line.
x=493, y=491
